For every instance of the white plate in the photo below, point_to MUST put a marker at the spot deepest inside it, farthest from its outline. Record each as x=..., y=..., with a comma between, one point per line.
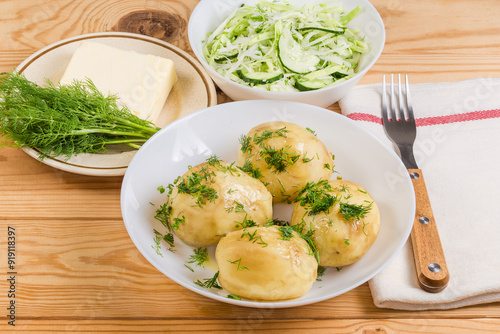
x=359, y=157
x=193, y=91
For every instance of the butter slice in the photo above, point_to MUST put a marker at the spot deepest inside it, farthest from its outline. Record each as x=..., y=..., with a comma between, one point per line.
x=142, y=82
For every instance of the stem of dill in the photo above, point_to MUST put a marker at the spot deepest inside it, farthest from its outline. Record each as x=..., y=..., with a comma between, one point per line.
x=66, y=120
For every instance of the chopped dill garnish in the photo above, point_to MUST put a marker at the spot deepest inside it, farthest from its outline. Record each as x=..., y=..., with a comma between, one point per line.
x=307, y=235
x=209, y=283
x=320, y=273
x=168, y=238
x=315, y=196
x=346, y=241
x=178, y=221
x=311, y=131
x=277, y=222
x=254, y=238
x=246, y=223
x=246, y=146
x=234, y=297
x=200, y=192
x=251, y=170
x=286, y=232
x=238, y=262
x=305, y=159
x=266, y=134
x=199, y=256
x=354, y=211
x=279, y=160
x=161, y=189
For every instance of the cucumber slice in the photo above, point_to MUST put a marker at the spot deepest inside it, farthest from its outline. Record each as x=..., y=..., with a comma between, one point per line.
x=339, y=31
x=259, y=78
x=307, y=85
x=224, y=58
x=293, y=57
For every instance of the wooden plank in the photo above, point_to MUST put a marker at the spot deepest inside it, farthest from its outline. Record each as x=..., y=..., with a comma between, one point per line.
x=91, y=269
x=45, y=192
x=256, y=325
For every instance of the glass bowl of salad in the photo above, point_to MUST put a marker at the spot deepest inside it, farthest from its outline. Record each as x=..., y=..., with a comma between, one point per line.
x=304, y=51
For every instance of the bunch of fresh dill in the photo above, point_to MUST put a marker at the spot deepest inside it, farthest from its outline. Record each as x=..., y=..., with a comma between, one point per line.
x=65, y=120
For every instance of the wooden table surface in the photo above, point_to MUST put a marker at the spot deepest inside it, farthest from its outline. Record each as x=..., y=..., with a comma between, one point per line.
x=77, y=268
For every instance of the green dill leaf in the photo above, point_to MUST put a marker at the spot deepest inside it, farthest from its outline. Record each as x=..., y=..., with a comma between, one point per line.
x=202, y=193
x=238, y=263
x=246, y=146
x=354, y=211
x=234, y=297
x=163, y=214
x=161, y=189
x=320, y=273
x=316, y=198
x=280, y=159
x=251, y=170
x=266, y=134
x=209, y=283
x=286, y=232
x=199, y=256
x=246, y=223
x=177, y=222
x=311, y=131
x=66, y=120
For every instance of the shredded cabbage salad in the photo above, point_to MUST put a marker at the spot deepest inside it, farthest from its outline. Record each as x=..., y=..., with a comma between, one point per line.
x=275, y=46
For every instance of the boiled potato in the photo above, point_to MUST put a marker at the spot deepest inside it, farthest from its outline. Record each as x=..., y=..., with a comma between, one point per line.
x=215, y=198
x=285, y=156
x=344, y=217
x=266, y=263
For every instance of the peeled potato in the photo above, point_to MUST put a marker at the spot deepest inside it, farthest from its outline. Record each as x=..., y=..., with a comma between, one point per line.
x=214, y=198
x=344, y=231
x=260, y=263
x=285, y=156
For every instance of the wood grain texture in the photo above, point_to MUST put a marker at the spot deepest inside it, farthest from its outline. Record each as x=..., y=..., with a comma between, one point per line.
x=79, y=270
x=343, y=326
x=430, y=260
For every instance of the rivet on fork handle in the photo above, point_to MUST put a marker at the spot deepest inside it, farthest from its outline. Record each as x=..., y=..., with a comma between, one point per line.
x=432, y=271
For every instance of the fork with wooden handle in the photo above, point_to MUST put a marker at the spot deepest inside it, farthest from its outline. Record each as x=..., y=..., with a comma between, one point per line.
x=430, y=262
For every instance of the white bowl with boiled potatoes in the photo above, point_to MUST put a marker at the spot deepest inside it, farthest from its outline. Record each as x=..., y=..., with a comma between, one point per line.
x=294, y=68
x=246, y=258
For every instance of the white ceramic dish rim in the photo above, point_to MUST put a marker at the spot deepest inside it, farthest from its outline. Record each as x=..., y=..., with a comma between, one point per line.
x=281, y=95
x=282, y=304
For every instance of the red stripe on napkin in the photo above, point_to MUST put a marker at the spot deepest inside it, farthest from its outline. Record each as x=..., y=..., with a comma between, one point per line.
x=436, y=120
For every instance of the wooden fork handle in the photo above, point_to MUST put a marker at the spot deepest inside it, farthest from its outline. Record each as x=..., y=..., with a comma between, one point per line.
x=430, y=262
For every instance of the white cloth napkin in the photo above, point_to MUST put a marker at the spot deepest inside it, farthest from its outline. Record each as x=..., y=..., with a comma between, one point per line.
x=457, y=148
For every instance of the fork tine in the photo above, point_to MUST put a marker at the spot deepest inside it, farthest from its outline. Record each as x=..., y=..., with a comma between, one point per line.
x=384, y=100
x=409, y=104
x=401, y=103
x=393, y=100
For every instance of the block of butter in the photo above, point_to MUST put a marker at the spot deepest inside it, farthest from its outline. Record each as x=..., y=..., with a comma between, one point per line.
x=142, y=82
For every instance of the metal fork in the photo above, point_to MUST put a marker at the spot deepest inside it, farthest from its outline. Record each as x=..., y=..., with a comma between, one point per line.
x=400, y=127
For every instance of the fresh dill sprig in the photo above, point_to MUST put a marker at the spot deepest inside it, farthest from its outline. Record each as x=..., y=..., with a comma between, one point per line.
x=66, y=120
